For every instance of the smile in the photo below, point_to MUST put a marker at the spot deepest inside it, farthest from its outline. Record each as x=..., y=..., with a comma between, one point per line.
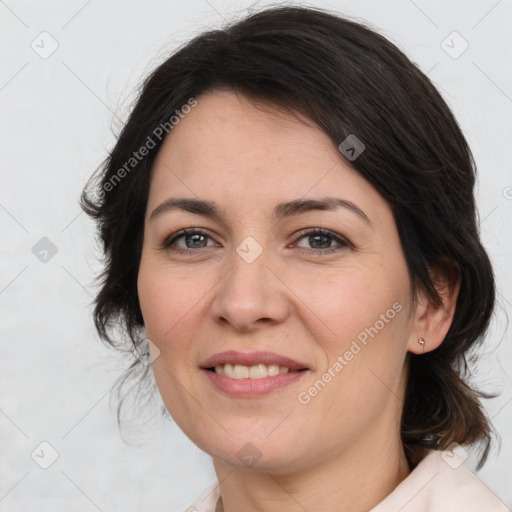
x=251, y=374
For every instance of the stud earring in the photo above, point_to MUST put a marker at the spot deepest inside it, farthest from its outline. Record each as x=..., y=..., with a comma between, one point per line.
x=421, y=341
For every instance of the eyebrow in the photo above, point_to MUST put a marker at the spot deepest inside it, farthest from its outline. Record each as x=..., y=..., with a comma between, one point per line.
x=282, y=210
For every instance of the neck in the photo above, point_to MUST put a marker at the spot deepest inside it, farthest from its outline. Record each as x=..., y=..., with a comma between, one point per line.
x=355, y=480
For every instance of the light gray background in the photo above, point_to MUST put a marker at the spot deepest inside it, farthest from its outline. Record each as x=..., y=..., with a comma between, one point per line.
x=56, y=122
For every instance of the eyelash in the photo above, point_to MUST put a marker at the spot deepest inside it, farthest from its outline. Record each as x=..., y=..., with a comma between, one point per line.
x=343, y=243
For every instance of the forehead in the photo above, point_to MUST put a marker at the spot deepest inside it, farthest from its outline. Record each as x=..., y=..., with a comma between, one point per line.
x=229, y=127
x=231, y=148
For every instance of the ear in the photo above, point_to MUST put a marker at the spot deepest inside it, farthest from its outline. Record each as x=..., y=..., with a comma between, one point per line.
x=432, y=321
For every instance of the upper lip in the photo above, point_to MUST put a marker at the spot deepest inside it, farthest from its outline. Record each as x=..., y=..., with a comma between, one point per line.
x=251, y=359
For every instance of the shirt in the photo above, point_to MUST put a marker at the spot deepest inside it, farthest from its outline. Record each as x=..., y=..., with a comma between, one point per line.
x=439, y=483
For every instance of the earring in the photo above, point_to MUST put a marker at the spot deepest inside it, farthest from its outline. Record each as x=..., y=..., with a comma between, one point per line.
x=421, y=341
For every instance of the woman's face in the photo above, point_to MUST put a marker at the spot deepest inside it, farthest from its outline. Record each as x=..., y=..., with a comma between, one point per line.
x=255, y=279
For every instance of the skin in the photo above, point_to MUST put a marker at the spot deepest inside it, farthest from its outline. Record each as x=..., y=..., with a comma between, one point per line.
x=341, y=450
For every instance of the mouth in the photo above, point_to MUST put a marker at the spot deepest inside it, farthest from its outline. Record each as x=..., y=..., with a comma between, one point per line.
x=248, y=375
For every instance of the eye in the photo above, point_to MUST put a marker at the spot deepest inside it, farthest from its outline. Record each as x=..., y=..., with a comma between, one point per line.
x=321, y=241
x=190, y=241
x=193, y=239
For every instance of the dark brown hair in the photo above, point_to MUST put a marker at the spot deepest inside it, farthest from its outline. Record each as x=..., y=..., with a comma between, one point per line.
x=347, y=79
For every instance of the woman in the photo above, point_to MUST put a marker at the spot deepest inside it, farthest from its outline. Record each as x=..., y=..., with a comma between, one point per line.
x=288, y=218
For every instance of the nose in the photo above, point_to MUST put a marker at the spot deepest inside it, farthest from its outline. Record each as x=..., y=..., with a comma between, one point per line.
x=251, y=294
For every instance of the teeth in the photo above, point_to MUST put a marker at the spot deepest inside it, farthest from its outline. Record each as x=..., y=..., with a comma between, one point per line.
x=240, y=372
x=259, y=371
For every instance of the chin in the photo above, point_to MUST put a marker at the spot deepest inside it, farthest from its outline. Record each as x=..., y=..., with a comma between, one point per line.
x=253, y=453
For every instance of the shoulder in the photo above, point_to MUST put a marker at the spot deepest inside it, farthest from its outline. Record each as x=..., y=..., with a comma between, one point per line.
x=207, y=501
x=442, y=483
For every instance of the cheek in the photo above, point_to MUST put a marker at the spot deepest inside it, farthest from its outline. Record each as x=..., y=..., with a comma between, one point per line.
x=364, y=322
x=166, y=302
x=167, y=305
x=160, y=288
x=347, y=302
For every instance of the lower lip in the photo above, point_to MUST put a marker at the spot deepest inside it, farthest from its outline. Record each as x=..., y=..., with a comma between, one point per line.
x=249, y=388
